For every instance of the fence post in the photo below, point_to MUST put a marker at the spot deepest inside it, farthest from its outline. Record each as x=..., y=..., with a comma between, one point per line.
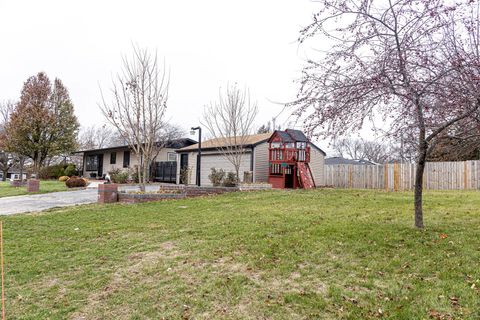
x=385, y=176
x=395, y=176
x=350, y=177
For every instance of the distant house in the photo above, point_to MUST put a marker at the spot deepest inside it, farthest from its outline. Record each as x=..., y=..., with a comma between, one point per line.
x=341, y=160
x=14, y=174
x=98, y=162
x=255, y=160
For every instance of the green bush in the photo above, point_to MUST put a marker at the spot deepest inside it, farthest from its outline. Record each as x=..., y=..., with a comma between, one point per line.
x=230, y=180
x=76, y=182
x=52, y=172
x=70, y=170
x=118, y=176
x=56, y=171
x=216, y=176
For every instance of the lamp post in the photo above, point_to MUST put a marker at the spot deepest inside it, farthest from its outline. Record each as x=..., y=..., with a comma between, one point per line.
x=199, y=152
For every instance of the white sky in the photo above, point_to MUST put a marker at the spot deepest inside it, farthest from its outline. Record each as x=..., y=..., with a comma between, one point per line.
x=205, y=43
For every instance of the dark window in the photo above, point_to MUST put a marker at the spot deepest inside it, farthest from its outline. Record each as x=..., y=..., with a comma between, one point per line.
x=92, y=163
x=113, y=158
x=126, y=159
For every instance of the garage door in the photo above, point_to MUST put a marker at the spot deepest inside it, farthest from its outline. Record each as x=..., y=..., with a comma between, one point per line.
x=220, y=162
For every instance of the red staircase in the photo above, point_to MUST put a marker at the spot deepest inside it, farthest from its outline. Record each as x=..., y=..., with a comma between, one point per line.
x=305, y=176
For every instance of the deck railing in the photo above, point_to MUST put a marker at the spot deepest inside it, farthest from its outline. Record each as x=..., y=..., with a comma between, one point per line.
x=289, y=155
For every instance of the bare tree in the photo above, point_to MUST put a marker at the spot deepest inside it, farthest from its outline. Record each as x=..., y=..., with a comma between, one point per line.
x=7, y=159
x=96, y=137
x=411, y=63
x=6, y=109
x=138, y=106
x=350, y=148
x=230, y=121
x=167, y=134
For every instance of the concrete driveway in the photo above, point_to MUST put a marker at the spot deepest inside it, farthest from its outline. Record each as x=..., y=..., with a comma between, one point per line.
x=39, y=202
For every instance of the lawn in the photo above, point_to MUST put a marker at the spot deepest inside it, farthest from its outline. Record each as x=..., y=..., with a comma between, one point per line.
x=323, y=254
x=45, y=186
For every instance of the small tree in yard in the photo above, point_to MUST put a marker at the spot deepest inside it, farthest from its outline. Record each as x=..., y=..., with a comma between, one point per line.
x=138, y=107
x=413, y=64
x=230, y=121
x=42, y=124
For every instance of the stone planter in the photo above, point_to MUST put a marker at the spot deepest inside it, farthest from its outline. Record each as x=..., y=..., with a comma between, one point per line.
x=254, y=186
x=147, y=197
x=33, y=185
x=107, y=193
x=17, y=183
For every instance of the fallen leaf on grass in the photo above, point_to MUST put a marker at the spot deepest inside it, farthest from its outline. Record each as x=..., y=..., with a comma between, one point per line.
x=454, y=301
x=443, y=236
x=433, y=314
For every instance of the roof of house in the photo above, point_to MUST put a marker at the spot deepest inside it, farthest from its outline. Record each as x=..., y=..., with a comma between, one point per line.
x=173, y=144
x=341, y=160
x=251, y=140
x=297, y=135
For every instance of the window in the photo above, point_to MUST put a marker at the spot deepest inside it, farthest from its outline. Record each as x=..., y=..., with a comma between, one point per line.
x=113, y=158
x=126, y=159
x=301, y=145
x=171, y=156
x=92, y=163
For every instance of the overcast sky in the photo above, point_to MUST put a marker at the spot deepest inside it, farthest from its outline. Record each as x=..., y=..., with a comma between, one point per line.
x=205, y=44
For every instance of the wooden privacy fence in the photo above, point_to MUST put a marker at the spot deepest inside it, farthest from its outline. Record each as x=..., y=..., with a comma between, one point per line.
x=461, y=175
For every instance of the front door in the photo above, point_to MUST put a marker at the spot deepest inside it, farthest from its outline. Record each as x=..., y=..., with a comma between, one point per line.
x=183, y=168
x=100, y=166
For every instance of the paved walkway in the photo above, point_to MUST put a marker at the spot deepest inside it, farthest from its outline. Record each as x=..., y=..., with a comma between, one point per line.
x=39, y=202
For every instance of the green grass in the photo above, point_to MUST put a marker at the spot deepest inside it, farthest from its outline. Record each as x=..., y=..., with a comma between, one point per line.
x=45, y=186
x=323, y=254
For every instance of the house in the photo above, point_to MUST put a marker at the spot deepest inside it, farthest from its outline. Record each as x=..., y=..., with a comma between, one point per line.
x=14, y=174
x=256, y=160
x=98, y=162
x=341, y=160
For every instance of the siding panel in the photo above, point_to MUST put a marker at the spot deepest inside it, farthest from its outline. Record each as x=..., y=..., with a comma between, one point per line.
x=261, y=162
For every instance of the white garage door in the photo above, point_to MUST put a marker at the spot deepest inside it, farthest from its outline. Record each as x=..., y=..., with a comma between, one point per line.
x=220, y=162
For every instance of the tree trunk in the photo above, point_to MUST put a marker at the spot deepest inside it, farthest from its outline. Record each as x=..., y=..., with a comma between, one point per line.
x=418, y=195
x=5, y=172
x=237, y=171
x=140, y=179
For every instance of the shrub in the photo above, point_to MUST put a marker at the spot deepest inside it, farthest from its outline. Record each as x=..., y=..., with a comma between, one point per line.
x=230, y=180
x=134, y=174
x=75, y=182
x=70, y=170
x=118, y=176
x=185, y=175
x=216, y=176
x=57, y=171
x=63, y=178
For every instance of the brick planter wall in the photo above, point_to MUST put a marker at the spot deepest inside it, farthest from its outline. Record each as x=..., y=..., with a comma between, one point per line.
x=17, y=183
x=255, y=187
x=170, y=191
x=107, y=193
x=33, y=185
x=195, y=191
x=147, y=197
